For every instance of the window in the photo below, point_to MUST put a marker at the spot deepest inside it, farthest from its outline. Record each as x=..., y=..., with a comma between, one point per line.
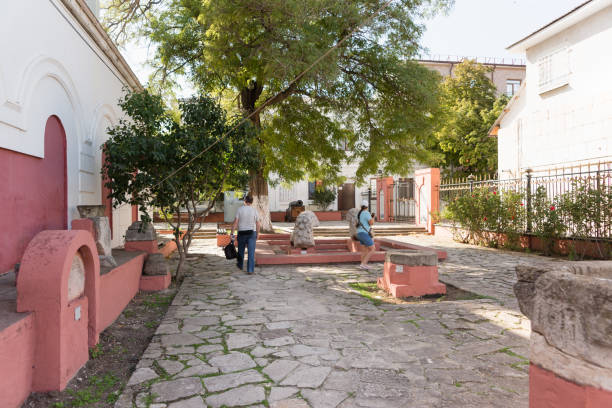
x=512, y=87
x=554, y=70
x=311, y=189
x=312, y=185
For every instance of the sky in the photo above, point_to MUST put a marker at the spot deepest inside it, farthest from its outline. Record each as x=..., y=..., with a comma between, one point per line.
x=484, y=28
x=472, y=28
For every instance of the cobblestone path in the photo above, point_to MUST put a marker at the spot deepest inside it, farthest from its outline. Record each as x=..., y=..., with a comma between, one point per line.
x=300, y=337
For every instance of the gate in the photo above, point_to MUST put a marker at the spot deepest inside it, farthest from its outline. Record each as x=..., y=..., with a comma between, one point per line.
x=346, y=197
x=403, y=198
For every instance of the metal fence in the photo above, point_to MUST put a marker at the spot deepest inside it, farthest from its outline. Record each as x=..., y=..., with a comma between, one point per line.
x=556, y=182
x=400, y=195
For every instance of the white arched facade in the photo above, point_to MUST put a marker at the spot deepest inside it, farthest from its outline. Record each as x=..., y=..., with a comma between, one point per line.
x=52, y=66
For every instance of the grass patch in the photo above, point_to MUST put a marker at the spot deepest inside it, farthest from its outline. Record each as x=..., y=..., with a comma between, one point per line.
x=157, y=301
x=367, y=290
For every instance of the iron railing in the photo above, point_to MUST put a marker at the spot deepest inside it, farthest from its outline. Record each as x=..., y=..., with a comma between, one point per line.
x=556, y=182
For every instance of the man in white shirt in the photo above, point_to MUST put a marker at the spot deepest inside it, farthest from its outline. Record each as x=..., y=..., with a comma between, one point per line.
x=247, y=223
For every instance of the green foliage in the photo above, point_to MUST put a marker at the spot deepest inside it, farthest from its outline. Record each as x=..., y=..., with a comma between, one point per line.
x=323, y=197
x=583, y=213
x=95, y=351
x=587, y=208
x=547, y=223
x=469, y=107
x=368, y=96
x=486, y=215
x=144, y=151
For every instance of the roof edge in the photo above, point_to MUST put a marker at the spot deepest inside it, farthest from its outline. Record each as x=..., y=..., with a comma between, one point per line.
x=583, y=11
x=497, y=124
x=88, y=21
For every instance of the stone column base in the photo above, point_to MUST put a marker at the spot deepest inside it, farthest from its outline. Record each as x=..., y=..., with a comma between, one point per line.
x=411, y=281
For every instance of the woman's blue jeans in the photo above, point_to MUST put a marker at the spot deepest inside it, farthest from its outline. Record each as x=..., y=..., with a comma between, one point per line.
x=248, y=240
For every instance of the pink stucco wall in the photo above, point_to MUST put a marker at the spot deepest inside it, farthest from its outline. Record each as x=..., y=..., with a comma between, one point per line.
x=16, y=361
x=118, y=287
x=547, y=390
x=33, y=194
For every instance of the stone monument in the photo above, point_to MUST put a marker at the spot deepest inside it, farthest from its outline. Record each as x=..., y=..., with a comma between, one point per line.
x=102, y=232
x=141, y=236
x=351, y=218
x=570, y=307
x=303, y=235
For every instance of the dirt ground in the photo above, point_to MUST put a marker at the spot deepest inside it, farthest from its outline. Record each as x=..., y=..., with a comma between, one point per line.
x=100, y=382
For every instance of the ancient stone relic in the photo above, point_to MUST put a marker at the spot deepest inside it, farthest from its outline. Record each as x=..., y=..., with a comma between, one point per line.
x=303, y=235
x=141, y=232
x=570, y=307
x=102, y=236
x=351, y=218
x=155, y=265
x=88, y=211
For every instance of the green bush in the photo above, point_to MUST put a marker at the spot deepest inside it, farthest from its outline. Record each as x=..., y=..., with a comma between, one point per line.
x=546, y=218
x=323, y=197
x=584, y=212
x=486, y=215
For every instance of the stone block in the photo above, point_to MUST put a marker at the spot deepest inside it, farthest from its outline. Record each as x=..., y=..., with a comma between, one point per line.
x=303, y=235
x=88, y=211
x=411, y=257
x=351, y=218
x=156, y=265
x=574, y=314
x=411, y=273
x=139, y=232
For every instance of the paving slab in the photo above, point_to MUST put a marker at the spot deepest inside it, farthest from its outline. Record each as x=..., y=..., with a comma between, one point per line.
x=291, y=331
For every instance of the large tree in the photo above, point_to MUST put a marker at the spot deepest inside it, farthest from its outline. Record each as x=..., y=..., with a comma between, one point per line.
x=367, y=102
x=145, y=151
x=469, y=107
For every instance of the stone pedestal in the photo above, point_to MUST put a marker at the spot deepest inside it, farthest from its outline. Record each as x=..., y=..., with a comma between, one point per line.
x=155, y=274
x=570, y=307
x=141, y=237
x=411, y=273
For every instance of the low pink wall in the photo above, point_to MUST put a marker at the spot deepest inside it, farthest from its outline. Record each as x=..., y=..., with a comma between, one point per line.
x=117, y=288
x=547, y=390
x=17, y=344
x=329, y=215
x=154, y=283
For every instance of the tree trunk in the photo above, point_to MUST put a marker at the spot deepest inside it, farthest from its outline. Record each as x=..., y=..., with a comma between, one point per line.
x=258, y=187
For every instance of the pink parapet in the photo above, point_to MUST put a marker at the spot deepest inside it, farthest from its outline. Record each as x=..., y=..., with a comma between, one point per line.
x=411, y=273
x=64, y=327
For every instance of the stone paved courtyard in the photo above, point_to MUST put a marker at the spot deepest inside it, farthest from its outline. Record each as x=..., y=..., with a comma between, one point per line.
x=298, y=336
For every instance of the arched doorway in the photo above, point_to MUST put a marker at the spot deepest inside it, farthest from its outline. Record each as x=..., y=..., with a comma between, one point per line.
x=33, y=193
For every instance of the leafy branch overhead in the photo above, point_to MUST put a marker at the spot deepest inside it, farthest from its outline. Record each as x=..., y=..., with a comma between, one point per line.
x=144, y=150
x=368, y=102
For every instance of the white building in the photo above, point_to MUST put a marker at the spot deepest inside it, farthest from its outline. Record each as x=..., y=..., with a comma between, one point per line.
x=562, y=115
x=60, y=79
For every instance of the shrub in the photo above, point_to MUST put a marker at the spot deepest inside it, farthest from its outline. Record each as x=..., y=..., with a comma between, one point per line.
x=323, y=197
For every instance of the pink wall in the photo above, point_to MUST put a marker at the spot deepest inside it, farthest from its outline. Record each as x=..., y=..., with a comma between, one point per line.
x=427, y=197
x=385, y=185
x=547, y=390
x=33, y=194
x=16, y=361
x=117, y=288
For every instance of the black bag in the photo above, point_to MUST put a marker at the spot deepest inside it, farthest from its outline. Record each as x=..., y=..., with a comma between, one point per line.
x=230, y=251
